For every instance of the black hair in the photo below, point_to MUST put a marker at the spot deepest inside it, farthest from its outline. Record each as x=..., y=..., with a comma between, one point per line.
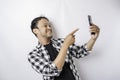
x=35, y=22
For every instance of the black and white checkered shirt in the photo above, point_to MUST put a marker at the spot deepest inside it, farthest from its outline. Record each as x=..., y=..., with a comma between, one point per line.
x=40, y=59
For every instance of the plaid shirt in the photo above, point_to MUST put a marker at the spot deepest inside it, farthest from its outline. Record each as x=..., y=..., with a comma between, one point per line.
x=40, y=59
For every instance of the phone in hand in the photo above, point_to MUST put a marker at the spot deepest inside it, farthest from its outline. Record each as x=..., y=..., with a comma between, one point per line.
x=90, y=23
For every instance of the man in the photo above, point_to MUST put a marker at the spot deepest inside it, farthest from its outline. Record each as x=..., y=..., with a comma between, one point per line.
x=53, y=57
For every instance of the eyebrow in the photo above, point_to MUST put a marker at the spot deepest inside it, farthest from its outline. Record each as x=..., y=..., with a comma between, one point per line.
x=46, y=23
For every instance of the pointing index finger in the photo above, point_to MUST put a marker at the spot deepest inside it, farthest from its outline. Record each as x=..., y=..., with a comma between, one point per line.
x=74, y=31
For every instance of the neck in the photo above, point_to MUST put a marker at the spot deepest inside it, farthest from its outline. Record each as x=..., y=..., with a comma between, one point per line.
x=44, y=41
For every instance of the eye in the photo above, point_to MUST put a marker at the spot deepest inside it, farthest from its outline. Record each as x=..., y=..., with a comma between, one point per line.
x=45, y=25
x=49, y=25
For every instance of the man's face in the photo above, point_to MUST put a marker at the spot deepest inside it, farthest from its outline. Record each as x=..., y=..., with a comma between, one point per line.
x=44, y=28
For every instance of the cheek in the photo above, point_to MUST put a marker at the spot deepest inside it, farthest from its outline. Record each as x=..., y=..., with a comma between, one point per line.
x=43, y=31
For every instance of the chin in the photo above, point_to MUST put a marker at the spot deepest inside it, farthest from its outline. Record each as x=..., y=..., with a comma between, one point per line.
x=50, y=35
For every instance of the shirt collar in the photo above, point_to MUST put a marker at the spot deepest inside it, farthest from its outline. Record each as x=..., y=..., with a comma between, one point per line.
x=54, y=43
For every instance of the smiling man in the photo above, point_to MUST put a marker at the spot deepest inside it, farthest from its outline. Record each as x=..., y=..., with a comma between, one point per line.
x=53, y=57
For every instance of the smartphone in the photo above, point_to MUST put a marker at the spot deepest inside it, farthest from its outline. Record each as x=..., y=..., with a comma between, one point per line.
x=90, y=23
x=90, y=20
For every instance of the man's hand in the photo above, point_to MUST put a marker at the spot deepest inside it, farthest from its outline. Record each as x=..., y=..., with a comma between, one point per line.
x=94, y=30
x=70, y=38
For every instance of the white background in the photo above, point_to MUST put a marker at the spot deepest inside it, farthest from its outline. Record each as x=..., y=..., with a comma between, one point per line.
x=17, y=40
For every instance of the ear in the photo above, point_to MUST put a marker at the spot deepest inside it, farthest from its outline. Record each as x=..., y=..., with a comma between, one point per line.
x=35, y=31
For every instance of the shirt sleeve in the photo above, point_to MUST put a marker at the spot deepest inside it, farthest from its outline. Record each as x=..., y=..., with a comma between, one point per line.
x=78, y=51
x=47, y=68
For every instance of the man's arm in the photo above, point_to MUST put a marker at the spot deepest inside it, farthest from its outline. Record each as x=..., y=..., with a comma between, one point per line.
x=93, y=29
x=60, y=59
